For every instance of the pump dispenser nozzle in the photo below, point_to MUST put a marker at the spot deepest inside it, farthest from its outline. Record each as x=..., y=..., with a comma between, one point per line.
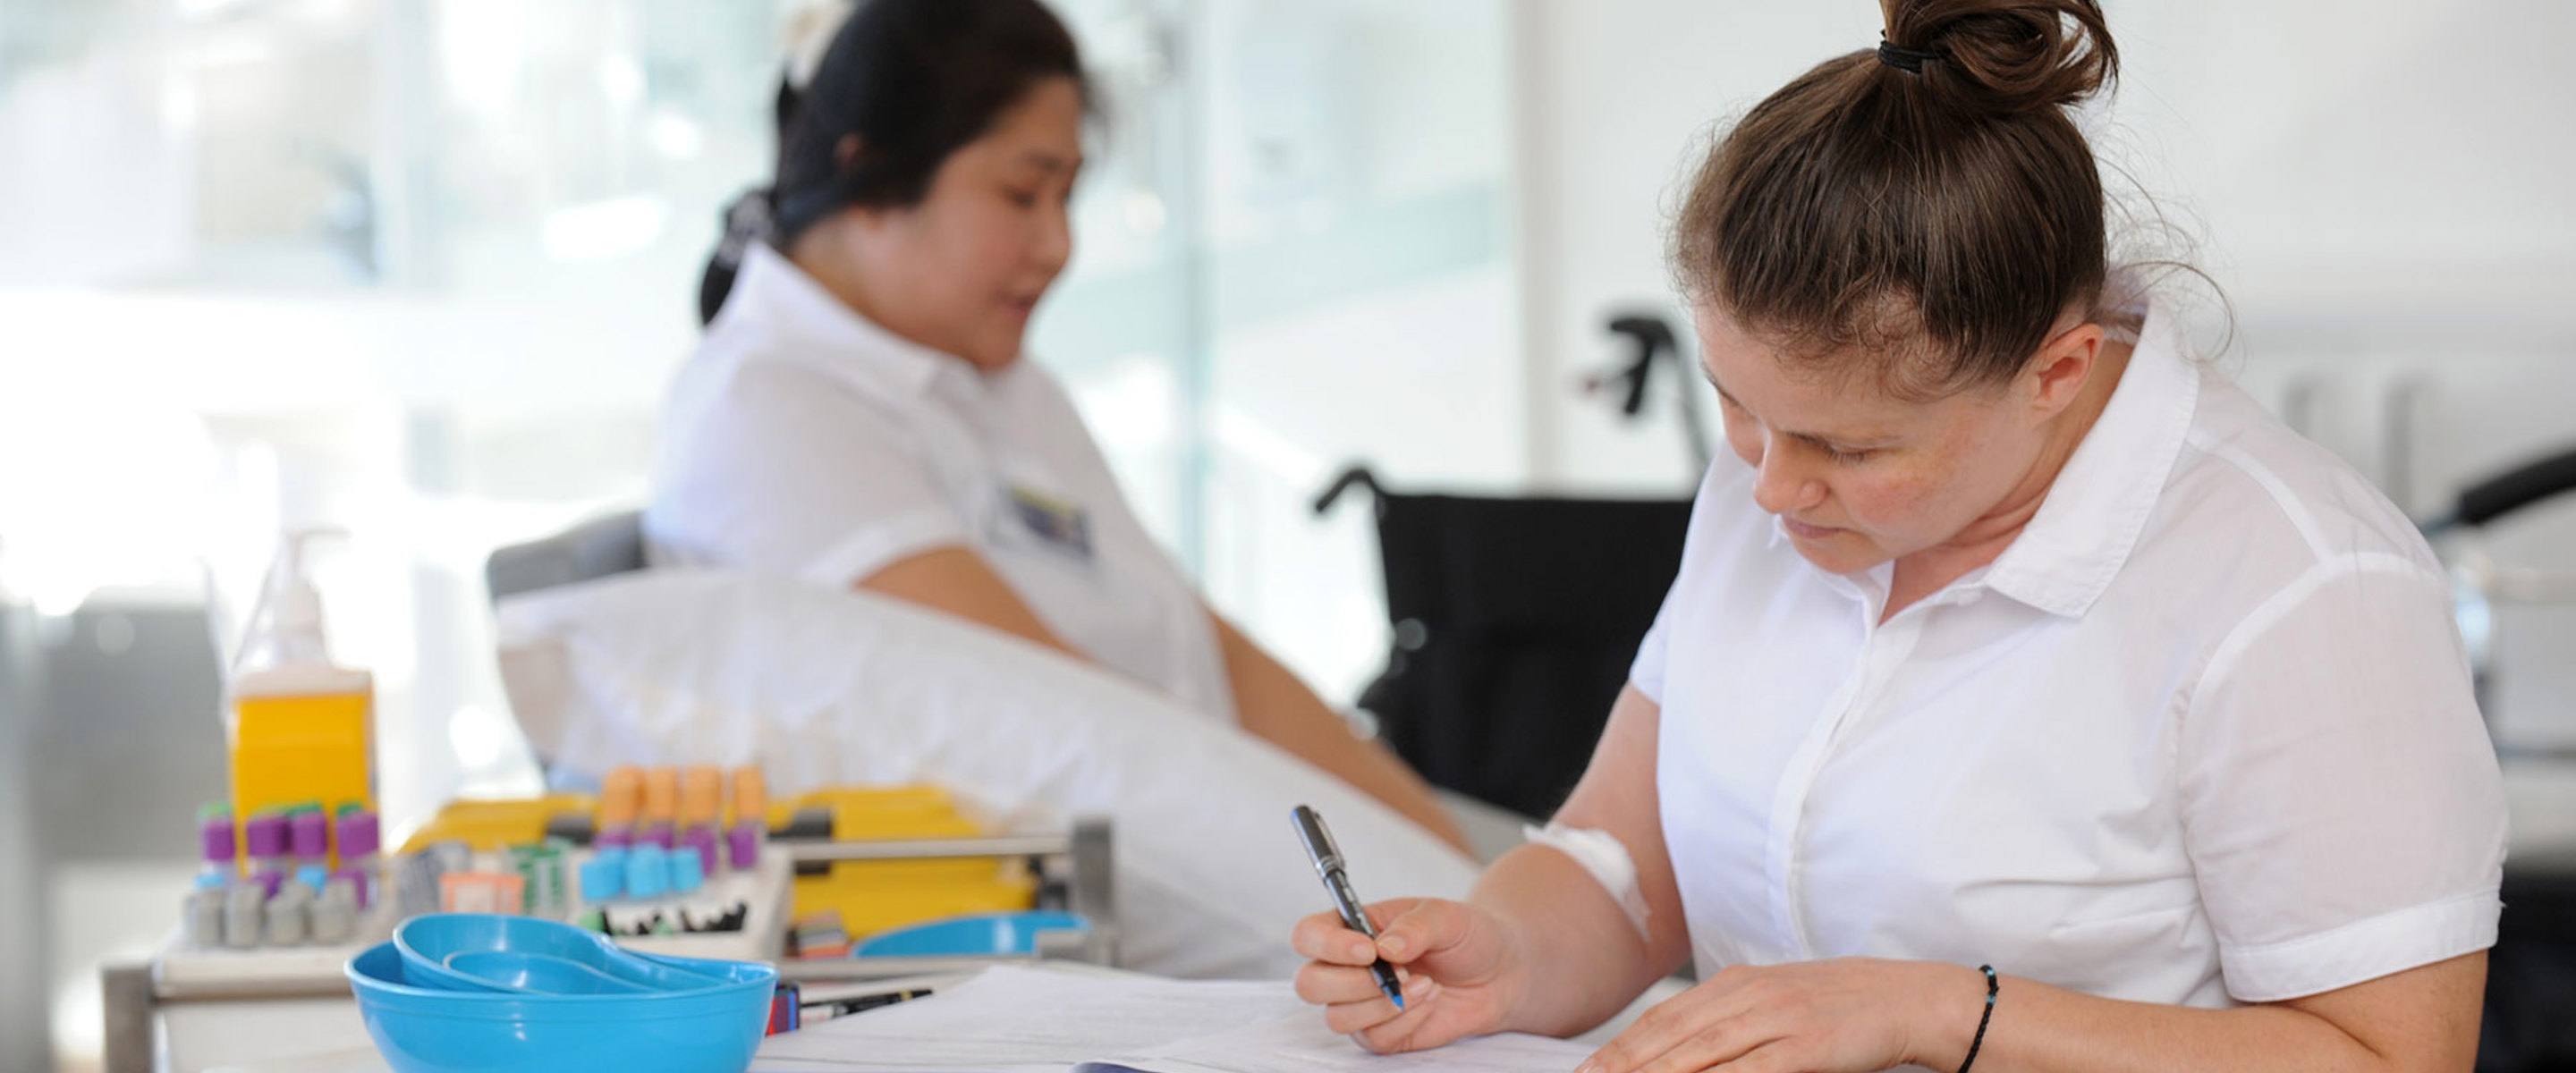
x=286, y=627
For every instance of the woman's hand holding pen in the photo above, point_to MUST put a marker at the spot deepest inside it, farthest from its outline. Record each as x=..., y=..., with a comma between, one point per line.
x=1462, y=973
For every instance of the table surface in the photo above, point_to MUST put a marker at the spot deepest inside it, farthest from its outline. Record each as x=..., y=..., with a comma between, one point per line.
x=367, y=1061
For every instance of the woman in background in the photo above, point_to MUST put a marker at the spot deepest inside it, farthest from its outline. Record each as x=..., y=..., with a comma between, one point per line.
x=861, y=415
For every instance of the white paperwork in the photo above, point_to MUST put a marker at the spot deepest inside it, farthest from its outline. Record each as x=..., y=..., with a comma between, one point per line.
x=1013, y=1019
x=1021, y=1020
x=1302, y=1044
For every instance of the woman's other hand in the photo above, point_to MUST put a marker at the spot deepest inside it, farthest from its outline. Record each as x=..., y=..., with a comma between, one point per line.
x=1461, y=971
x=1846, y=1015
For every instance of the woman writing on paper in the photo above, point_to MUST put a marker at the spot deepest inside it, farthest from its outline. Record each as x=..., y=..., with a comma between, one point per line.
x=861, y=414
x=2035, y=702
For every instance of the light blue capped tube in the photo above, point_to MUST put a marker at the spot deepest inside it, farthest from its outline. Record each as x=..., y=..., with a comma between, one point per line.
x=648, y=871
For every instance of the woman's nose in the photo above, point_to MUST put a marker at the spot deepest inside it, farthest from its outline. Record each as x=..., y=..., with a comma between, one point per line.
x=1779, y=487
x=1054, y=241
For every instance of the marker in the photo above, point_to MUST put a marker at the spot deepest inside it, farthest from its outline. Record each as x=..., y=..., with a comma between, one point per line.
x=785, y=1008
x=1328, y=865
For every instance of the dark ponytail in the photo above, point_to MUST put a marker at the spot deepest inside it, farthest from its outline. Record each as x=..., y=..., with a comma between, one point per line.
x=1919, y=213
x=907, y=83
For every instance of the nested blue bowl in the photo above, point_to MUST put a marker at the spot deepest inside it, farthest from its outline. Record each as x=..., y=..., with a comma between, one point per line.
x=421, y=1027
x=428, y=941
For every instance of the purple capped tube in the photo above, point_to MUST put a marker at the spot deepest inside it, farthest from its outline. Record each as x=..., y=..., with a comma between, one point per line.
x=309, y=835
x=701, y=838
x=359, y=842
x=218, y=848
x=265, y=838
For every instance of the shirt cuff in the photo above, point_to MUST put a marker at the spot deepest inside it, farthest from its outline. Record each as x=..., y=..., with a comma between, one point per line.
x=2362, y=950
x=881, y=545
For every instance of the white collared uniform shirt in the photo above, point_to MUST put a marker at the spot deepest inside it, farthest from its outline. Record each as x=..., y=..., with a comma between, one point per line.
x=2203, y=734
x=805, y=440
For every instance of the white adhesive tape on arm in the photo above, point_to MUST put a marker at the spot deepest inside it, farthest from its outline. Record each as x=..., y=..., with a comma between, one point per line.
x=1602, y=854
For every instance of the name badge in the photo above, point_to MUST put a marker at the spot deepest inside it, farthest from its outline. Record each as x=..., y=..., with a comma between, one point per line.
x=1057, y=524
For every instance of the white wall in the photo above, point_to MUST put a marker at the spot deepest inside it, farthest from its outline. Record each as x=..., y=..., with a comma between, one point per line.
x=2381, y=186
x=1618, y=96
x=1362, y=301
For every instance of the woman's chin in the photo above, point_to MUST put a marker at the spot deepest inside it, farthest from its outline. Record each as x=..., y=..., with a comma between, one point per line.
x=1843, y=553
x=993, y=356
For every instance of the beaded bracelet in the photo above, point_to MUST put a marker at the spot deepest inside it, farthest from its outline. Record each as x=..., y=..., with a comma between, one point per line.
x=1993, y=984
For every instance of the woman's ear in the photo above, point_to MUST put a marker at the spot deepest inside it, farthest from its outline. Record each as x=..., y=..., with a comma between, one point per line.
x=845, y=158
x=2065, y=363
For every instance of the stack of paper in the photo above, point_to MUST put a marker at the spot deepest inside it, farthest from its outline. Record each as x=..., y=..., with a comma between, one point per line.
x=1023, y=1020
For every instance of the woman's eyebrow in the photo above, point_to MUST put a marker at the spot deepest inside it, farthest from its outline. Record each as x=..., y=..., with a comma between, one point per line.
x=1050, y=163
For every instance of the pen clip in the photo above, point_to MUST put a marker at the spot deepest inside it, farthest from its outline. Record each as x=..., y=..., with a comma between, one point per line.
x=1319, y=842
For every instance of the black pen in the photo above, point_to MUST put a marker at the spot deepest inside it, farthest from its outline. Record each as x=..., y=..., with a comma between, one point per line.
x=1328, y=864
x=829, y=1009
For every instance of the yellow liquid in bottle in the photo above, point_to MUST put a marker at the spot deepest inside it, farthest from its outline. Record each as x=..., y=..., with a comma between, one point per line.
x=290, y=749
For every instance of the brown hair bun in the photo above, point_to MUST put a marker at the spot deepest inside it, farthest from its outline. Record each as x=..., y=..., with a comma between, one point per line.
x=2009, y=55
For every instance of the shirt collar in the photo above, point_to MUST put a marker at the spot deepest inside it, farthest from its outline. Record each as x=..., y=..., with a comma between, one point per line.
x=837, y=340
x=2089, y=523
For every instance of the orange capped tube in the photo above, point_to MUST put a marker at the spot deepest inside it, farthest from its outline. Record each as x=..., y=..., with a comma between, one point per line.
x=750, y=796
x=661, y=795
x=621, y=797
x=701, y=795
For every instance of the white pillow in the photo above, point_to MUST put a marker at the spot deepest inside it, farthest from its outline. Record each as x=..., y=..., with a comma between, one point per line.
x=823, y=687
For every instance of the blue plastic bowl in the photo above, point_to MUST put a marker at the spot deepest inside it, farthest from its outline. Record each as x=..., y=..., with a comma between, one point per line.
x=420, y=1028
x=982, y=933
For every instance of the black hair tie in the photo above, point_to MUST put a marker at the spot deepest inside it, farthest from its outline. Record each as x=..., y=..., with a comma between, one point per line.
x=1908, y=60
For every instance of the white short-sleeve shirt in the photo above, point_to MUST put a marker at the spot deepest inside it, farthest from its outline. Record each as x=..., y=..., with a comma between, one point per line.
x=2202, y=734
x=804, y=440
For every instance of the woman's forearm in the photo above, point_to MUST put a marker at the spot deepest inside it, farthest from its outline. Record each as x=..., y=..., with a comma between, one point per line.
x=1379, y=773
x=2419, y=1021
x=1584, y=959
x=1275, y=705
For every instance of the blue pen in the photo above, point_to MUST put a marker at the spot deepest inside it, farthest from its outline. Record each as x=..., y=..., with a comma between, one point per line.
x=1328, y=864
